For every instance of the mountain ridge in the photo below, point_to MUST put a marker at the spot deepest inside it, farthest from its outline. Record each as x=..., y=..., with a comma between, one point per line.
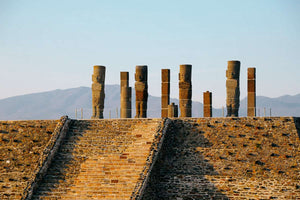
x=55, y=103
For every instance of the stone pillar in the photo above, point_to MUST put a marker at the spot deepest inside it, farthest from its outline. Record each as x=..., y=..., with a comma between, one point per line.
x=172, y=110
x=207, y=104
x=185, y=90
x=251, y=111
x=141, y=91
x=125, y=101
x=233, y=88
x=165, y=92
x=98, y=94
x=124, y=76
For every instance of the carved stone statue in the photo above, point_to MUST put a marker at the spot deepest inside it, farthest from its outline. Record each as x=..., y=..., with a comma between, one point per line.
x=233, y=88
x=98, y=94
x=185, y=91
x=141, y=91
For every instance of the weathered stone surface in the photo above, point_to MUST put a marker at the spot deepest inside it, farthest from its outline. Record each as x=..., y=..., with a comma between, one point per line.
x=185, y=90
x=172, y=110
x=251, y=73
x=164, y=112
x=125, y=110
x=165, y=75
x=126, y=102
x=98, y=94
x=165, y=92
x=124, y=76
x=251, y=101
x=165, y=89
x=200, y=158
x=141, y=91
x=22, y=145
x=251, y=107
x=164, y=100
x=207, y=104
x=228, y=158
x=233, y=88
x=47, y=156
x=251, y=85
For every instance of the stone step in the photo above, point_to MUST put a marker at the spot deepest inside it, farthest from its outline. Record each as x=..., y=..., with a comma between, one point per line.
x=99, y=159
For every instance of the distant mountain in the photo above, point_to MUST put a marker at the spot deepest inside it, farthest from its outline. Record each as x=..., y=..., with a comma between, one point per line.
x=54, y=104
x=286, y=105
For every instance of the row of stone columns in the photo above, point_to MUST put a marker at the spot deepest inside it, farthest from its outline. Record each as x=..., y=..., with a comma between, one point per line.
x=185, y=92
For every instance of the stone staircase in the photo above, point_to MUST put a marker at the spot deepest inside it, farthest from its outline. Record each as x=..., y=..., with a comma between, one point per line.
x=100, y=159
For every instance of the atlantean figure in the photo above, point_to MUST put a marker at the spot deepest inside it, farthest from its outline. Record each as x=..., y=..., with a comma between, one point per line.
x=98, y=94
x=141, y=91
x=185, y=91
x=233, y=88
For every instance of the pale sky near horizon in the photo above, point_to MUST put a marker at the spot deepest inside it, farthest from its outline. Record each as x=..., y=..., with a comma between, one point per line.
x=48, y=45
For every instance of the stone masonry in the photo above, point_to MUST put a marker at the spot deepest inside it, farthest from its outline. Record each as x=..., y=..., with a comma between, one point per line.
x=141, y=91
x=98, y=94
x=101, y=159
x=251, y=107
x=183, y=158
x=207, y=104
x=228, y=158
x=21, y=145
x=125, y=96
x=185, y=90
x=165, y=92
x=233, y=88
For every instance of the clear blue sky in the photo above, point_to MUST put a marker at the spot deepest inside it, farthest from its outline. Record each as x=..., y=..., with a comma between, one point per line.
x=46, y=45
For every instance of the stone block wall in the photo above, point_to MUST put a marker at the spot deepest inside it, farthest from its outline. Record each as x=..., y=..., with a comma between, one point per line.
x=228, y=158
x=21, y=145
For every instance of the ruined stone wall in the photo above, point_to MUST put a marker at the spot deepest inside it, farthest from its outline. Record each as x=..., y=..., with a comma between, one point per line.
x=21, y=145
x=228, y=158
